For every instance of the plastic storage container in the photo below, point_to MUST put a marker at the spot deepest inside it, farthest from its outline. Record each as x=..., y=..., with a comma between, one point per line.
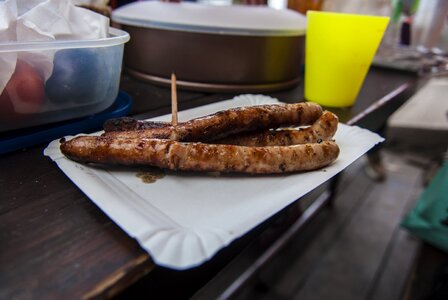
x=213, y=48
x=60, y=80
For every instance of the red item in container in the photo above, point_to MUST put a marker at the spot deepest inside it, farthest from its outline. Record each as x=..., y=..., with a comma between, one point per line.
x=24, y=93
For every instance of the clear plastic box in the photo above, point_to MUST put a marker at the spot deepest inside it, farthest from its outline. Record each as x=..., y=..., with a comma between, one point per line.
x=60, y=80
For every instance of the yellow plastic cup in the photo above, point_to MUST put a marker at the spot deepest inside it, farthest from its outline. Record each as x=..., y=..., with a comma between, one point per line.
x=338, y=53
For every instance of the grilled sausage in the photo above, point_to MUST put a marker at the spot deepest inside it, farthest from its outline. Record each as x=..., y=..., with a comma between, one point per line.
x=232, y=121
x=175, y=155
x=323, y=129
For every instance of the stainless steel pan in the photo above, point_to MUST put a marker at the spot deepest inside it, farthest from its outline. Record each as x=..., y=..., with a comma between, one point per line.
x=213, y=48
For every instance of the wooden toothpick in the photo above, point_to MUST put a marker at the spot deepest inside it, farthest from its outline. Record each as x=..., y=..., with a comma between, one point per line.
x=173, y=100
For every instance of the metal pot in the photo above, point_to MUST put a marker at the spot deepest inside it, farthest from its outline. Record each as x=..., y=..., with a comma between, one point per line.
x=213, y=48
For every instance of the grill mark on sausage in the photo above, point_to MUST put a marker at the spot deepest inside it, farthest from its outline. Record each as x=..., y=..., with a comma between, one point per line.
x=270, y=151
x=128, y=123
x=232, y=121
x=323, y=128
x=174, y=155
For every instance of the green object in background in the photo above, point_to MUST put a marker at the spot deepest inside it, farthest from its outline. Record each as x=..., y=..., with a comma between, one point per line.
x=406, y=7
x=429, y=218
x=397, y=9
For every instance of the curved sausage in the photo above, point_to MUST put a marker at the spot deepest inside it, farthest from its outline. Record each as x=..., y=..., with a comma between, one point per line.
x=323, y=129
x=232, y=121
x=175, y=155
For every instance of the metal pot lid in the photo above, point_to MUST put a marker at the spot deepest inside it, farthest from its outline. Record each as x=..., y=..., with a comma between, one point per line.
x=195, y=17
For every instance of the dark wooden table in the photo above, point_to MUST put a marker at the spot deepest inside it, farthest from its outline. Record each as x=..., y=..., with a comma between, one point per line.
x=55, y=243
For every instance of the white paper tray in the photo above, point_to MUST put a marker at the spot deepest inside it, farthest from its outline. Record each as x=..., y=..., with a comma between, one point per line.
x=183, y=219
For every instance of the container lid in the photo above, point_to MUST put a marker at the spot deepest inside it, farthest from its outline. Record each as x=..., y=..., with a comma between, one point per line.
x=205, y=18
x=116, y=37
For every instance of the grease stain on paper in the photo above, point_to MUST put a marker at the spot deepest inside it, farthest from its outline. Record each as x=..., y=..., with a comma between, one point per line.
x=150, y=175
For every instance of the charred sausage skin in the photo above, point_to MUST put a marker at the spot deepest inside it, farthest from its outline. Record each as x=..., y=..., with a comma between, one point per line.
x=229, y=122
x=322, y=129
x=184, y=156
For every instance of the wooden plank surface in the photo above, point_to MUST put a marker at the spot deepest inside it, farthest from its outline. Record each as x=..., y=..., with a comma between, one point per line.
x=54, y=238
x=348, y=269
x=354, y=251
